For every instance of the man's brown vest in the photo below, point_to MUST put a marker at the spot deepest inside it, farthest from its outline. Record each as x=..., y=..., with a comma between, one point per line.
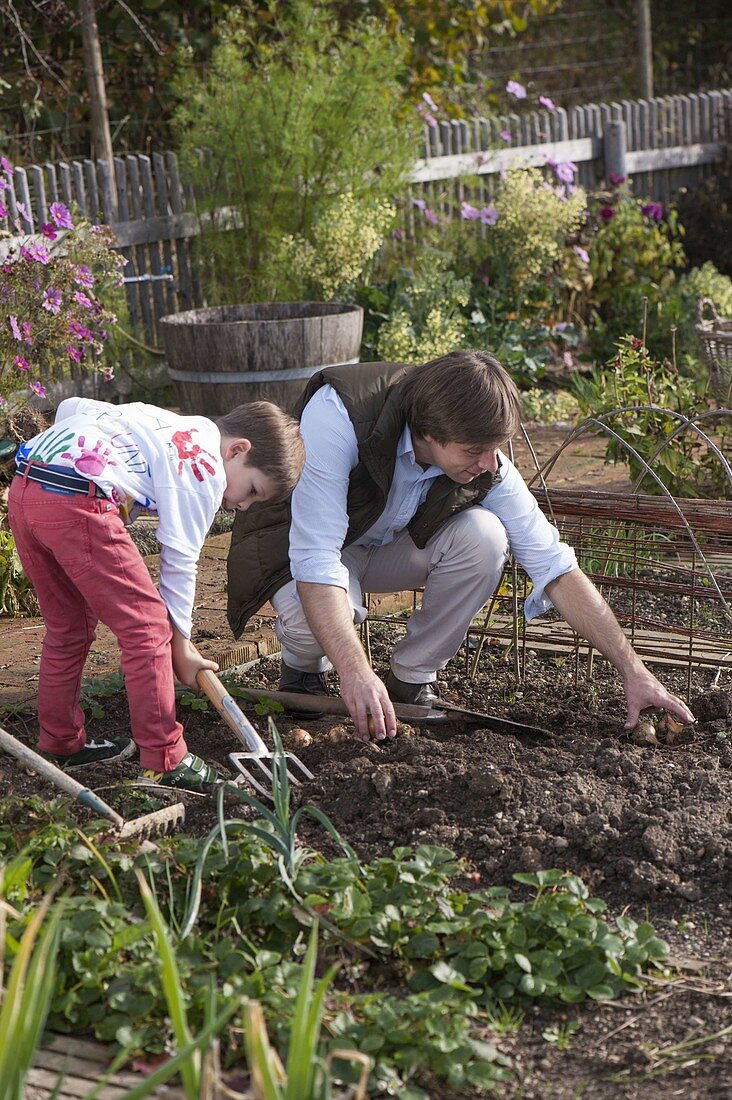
x=259, y=557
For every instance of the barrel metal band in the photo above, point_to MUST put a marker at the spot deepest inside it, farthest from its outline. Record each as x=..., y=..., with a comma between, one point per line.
x=253, y=376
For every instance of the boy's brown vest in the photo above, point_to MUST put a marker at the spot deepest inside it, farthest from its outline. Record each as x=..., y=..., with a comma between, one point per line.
x=259, y=557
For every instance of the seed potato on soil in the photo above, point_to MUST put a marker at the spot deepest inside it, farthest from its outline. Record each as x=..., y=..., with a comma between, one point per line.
x=646, y=826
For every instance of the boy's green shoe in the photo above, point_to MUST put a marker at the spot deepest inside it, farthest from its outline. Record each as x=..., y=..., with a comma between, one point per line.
x=94, y=752
x=192, y=774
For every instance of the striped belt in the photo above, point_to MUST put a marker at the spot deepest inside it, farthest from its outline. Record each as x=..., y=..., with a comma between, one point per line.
x=58, y=479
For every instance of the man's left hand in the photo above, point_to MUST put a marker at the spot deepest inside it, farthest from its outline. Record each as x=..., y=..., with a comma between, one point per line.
x=643, y=690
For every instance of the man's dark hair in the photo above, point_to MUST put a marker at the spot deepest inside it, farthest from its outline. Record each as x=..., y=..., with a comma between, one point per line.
x=463, y=397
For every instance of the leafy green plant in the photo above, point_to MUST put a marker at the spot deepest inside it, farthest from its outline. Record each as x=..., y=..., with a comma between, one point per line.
x=17, y=594
x=634, y=255
x=93, y=689
x=307, y=1076
x=651, y=390
x=560, y=1035
x=425, y=312
x=296, y=115
x=26, y=999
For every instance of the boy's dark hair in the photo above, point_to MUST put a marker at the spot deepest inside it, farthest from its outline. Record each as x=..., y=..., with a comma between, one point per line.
x=277, y=446
x=463, y=397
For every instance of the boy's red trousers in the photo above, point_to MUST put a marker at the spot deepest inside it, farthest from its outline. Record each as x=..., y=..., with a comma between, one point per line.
x=86, y=569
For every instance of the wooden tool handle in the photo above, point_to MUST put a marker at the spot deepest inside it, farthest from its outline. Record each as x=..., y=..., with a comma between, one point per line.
x=231, y=713
x=326, y=704
x=59, y=778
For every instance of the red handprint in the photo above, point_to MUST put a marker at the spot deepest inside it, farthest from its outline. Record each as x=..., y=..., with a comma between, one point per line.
x=187, y=449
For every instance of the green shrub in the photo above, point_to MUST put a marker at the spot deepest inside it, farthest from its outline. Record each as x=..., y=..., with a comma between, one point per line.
x=634, y=256
x=294, y=120
x=426, y=317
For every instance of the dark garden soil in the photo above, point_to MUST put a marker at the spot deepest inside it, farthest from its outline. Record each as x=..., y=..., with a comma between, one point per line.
x=647, y=829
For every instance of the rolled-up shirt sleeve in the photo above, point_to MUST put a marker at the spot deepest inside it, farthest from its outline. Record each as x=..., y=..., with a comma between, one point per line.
x=534, y=541
x=319, y=516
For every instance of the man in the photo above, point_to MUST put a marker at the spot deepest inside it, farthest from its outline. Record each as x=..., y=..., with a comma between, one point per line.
x=406, y=486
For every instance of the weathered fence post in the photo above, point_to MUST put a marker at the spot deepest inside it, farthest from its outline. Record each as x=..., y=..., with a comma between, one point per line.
x=615, y=148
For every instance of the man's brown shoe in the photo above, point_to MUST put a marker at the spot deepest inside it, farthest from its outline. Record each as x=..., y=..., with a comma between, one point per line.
x=421, y=695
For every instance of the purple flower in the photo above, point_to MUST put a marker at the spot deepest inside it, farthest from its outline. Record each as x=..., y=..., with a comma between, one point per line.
x=23, y=211
x=84, y=276
x=607, y=213
x=27, y=332
x=568, y=360
x=15, y=328
x=49, y=231
x=429, y=119
x=582, y=253
x=505, y=135
x=653, y=210
x=52, y=300
x=515, y=89
x=5, y=163
x=79, y=331
x=419, y=203
x=36, y=252
x=3, y=210
x=429, y=101
x=83, y=300
x=20, y=362
x=565, y=171
x=2, y=401
x=38, y=389
x=430, y=216
x=469, y=213
x=4, y=184
x=108, y=374
x=489, y=215
x=60, y=214
x=615, y=179
x=74, y=353
x=547, y=102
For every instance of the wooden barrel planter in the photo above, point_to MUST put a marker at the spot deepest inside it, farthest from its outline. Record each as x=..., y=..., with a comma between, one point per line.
x=227, y=355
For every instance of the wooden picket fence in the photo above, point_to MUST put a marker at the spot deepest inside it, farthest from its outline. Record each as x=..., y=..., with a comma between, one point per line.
x=661, y=144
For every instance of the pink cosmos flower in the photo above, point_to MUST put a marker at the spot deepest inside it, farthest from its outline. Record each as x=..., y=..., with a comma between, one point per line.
x=20, y=362
x=430, y=216
x=84, y=277
x=429, y=101
x=547, y=102
x=27, y=332
x=49, y=231
x=23, y=211
x=83, y=300
x=505, y=135
x=52, y=300
x=469, y=213
x=5, y=163
x=429, y=119
x=3, y=402
x=74, y=353
x=79, y=331
x=568, y=360
x=38, y=389
x=489, y=215
x=565, y=171
x=515, y=89
x=420, y=204
x=15, y=327
x=3, y=210
x=37, y=252
x=582, y=253
x=60, y=214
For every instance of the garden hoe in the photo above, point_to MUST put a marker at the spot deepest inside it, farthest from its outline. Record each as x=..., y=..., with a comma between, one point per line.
x=155, y=823
x=255, y=765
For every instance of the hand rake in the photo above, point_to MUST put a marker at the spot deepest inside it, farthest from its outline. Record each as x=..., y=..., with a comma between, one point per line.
x=256, y=765
x=159, y=821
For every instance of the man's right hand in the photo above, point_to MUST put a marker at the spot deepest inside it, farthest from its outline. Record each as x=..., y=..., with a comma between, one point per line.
x=369, y=705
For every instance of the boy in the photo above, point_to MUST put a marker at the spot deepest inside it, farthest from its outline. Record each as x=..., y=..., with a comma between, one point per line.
x=76, y=487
